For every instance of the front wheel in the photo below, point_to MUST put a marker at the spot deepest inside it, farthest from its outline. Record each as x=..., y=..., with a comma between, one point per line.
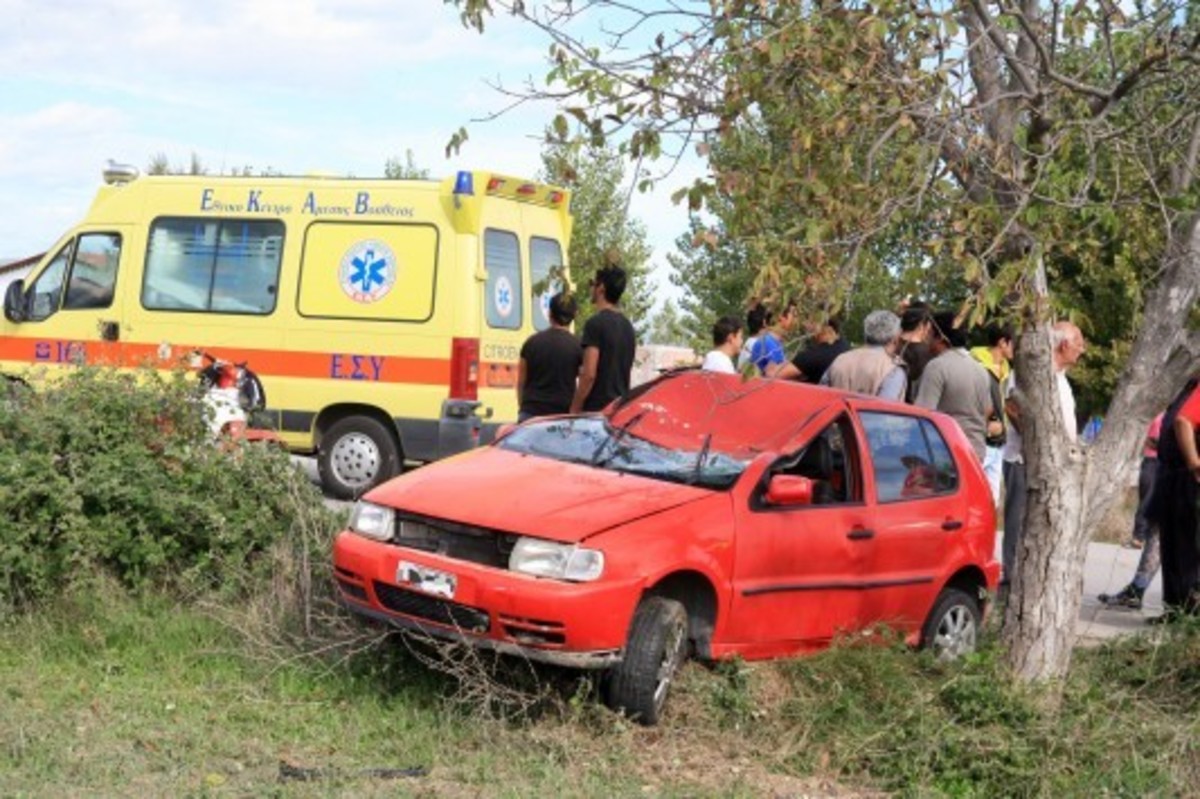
x=952, y=629
x=657, y=647
x=356, y=454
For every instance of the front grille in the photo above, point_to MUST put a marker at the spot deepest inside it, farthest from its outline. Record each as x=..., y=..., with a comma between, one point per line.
x=456, y=541
x=353, y=591
x=423, y=606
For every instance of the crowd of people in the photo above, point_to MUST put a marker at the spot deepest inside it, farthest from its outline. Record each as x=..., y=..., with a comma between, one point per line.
x=916, y=355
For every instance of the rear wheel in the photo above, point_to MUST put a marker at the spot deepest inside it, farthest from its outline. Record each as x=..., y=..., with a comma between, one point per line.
x=952, y=629
x=657, y=647
x=356, y=454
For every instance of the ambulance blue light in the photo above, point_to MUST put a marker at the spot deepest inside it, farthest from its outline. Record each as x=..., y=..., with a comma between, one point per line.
x=464, y=184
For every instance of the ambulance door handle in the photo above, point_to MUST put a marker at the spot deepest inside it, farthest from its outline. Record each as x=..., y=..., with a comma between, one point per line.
x=109, y=331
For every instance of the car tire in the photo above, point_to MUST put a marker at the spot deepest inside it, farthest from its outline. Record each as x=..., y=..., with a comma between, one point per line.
x=953, y=627
x=657, y=647
x=356, y=454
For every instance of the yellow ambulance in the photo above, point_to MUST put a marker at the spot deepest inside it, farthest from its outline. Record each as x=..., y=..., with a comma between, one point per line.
x=384, y=317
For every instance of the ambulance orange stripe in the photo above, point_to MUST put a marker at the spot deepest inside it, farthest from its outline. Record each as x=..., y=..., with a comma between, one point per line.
x=276, y=363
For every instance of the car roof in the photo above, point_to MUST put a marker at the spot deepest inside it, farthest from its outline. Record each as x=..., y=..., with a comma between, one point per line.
x=743, y=417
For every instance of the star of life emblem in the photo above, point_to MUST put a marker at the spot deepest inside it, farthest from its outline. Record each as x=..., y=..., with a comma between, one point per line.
x=504, y=297
x=368, y=271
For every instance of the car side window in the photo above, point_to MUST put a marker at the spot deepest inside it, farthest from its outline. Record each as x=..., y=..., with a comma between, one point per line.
x=45, y=294
x=829, y=461
x=93, y=271
x=909, y=457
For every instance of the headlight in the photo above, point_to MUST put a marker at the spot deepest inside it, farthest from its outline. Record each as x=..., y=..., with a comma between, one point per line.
x=560, y=561
x=373, y=521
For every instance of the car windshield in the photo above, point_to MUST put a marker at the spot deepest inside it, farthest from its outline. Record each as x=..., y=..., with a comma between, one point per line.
x=592, y=440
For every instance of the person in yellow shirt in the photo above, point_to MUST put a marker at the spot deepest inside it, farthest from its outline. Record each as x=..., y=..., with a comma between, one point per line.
x=996, y=357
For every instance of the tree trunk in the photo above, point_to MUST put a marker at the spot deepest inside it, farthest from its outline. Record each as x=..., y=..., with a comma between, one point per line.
x=1070, y=487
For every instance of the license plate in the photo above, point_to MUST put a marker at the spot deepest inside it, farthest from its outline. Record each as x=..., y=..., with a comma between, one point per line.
x=423, y=578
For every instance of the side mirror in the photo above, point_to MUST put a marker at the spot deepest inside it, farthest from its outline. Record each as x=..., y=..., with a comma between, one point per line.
x=14, y=301
x=789, y=490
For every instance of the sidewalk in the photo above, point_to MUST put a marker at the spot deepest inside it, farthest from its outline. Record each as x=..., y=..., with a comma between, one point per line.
x=1108, y=569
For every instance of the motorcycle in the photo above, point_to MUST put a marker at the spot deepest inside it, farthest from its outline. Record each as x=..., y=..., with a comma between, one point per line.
x=231, y=394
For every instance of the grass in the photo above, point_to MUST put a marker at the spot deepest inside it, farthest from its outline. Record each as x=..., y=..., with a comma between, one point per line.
x=109, y=696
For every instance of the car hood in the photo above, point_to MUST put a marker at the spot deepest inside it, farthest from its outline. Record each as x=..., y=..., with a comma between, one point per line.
x=531, y=495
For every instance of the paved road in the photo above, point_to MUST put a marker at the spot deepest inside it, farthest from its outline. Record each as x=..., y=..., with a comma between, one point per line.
x=1108, y=569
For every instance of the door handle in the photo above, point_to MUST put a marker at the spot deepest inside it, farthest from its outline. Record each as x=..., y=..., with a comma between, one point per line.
x=952, y=524
x=860, y=534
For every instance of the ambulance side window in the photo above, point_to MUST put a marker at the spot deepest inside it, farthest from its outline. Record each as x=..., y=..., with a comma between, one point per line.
x=94, y=271
x=545, y=258
x=218, y=266
x=502, y=259
x=45, y=294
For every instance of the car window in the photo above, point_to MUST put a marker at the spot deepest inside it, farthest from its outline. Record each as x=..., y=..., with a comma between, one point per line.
x=502, y=259
x=94, y=271
x=545, y=258
x=909, y=457
x=829, y=461
x=46, y=292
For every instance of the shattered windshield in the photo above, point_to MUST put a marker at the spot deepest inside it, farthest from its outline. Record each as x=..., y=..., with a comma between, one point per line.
x=593, y=441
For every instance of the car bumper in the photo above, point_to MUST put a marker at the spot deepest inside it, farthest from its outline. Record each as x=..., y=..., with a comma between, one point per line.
x=580, y=625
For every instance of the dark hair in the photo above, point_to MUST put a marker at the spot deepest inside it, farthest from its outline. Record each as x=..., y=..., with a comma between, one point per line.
x=757, y=318
x=916, y=314
x=835, y=322
x=725, y=327
x=612, y=279
x=563, y=309
x=997, y=333
x=945, y=329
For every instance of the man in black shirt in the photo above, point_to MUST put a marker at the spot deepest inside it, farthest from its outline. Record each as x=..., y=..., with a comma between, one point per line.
x=809, y=365
x=550, y=362
x=608, y=345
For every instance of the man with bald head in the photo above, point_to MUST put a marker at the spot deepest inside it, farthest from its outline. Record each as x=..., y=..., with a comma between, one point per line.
x=1066, y=341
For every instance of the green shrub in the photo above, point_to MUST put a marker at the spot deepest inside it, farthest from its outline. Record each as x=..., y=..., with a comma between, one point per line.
x=115, y=473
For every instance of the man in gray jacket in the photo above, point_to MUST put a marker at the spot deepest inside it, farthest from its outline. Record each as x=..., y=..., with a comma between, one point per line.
x=955, y=383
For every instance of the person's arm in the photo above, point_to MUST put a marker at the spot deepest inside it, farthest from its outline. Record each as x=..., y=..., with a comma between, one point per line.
x=929, y=393
x=522, y=376
x=1185, y=434
x=587, y=377
x=893, y=386
x=784, y=371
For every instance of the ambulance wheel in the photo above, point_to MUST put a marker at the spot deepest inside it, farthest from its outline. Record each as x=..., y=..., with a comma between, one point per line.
x=657, y=647
x=356, y=454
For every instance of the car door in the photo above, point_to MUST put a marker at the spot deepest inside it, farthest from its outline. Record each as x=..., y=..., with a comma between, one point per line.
x=71, y=312
x=919, y=512
x=797, y=569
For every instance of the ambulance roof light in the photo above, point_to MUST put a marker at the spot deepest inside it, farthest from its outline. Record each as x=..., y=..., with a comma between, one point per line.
x=464, y=183
x=116, y=174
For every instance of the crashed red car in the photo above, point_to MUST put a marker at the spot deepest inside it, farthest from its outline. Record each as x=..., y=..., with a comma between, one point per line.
x=702, y=516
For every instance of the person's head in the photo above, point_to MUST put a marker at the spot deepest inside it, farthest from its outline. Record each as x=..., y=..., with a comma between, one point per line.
x=609, y=284
x=563, y=309
x=915, y=321
x=1067, y=342
x=757, y=318
x=1000, y=340
x=787, y=319
x=881, y=328
x=944, y=332
x=825, y=329
x=727, y=333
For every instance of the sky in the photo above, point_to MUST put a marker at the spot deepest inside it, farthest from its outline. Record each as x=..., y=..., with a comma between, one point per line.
x=296, y=86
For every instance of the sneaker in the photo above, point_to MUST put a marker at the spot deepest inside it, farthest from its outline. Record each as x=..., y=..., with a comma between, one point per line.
x=1128, y=597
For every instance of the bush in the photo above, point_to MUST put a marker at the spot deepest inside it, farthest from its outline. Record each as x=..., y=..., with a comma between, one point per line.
x=115, y=473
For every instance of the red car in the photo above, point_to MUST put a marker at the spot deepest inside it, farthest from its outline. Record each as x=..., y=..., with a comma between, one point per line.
x=702, y=515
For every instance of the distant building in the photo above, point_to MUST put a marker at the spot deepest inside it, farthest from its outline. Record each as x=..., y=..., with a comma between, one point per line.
x=651, y=360
x=16, y=270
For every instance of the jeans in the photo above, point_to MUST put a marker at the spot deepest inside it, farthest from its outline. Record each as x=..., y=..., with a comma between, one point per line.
x=1014, y=515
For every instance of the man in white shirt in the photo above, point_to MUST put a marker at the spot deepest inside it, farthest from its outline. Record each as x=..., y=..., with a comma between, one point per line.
x=1068, y=345
x=727, y=342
